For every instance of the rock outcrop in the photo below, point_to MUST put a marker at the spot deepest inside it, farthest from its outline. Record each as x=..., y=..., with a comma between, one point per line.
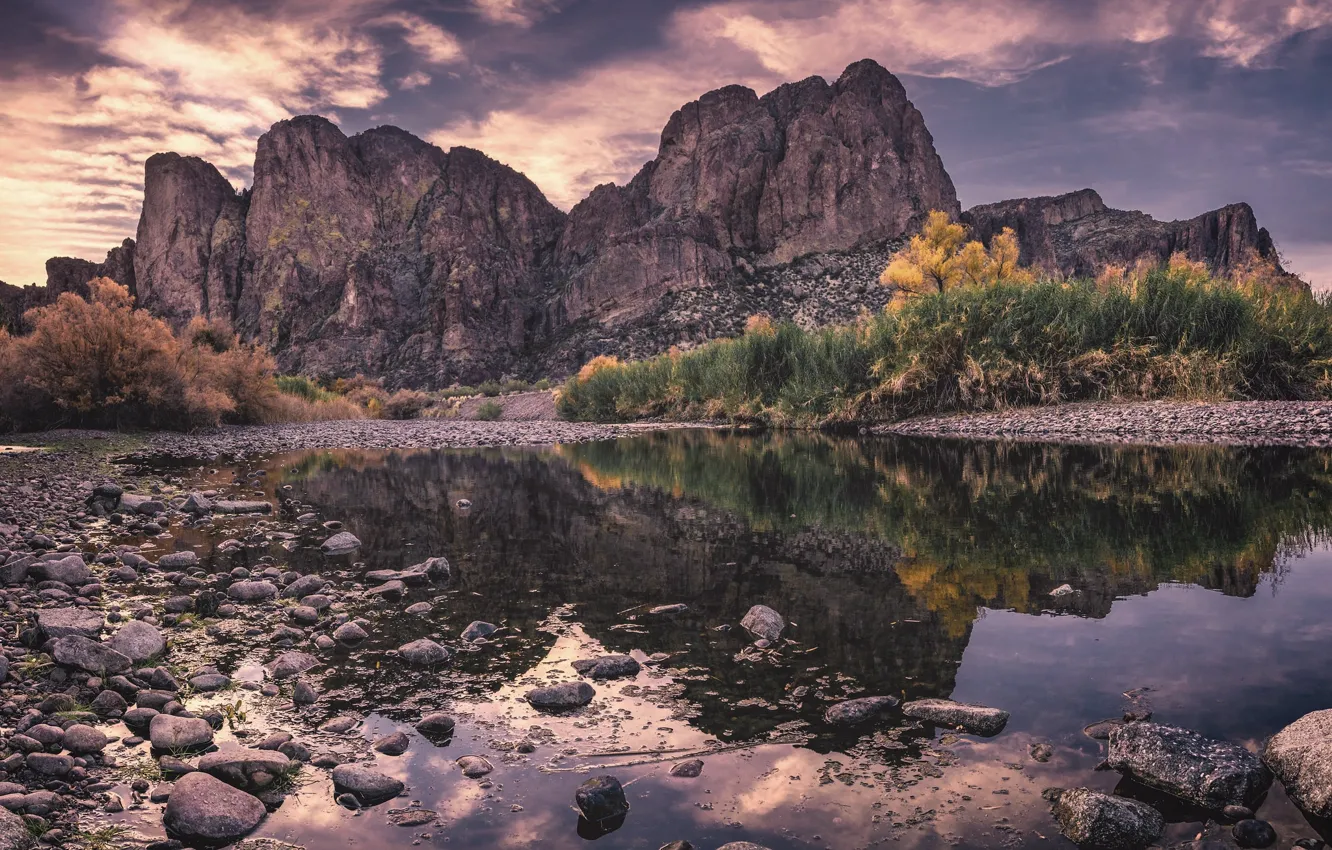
x=381, y=254
x=808, y=167
x=1077, y=235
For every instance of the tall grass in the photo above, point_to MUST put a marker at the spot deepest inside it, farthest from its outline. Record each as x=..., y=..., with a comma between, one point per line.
x=1173, y=332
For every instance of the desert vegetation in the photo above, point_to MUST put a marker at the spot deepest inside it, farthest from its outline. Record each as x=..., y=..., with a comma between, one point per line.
x=968, y=330
x=100, y=362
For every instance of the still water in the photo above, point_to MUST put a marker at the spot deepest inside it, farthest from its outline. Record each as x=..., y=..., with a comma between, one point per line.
x=913, y=568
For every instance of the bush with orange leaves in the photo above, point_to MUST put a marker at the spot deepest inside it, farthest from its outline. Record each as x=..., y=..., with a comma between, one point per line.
x=939, y=258
x=99, y=362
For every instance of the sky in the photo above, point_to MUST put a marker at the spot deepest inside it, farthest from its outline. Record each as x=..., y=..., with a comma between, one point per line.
x=1173, y=107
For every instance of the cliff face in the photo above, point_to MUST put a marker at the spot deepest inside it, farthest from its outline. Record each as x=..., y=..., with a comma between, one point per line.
x=65, y=274
x=383, y=255
x=808, y=167
x=1077, y=234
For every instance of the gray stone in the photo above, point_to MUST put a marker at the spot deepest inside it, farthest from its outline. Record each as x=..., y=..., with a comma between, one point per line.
x=289, y=664
x=474, y=767
x=252, y=591
x=138, y=641
x=1096, y=821
x=204, y=809
x=560, y=697
x=394, y=744
x=423, y=652
x=56, y=623
x=854, y=711
x=209, y=682
x=1301, y=757
x=687, y=769
x=173, y=734
x=436, y=727
x=601, y=798
x=14, y=833
x=47, y=764
x=368, y=786
x=178, y=560
x=342, y=543
x=81, y=740
x=607, y=667
x=70, y=570
x=197, y=504
x=246, y=769
x=1210, y=773
x=89, y=656
x=763, y=622
x=976, y=719
x=304, y=586
x=349, y=632
x=240, y=506
x=478, y=629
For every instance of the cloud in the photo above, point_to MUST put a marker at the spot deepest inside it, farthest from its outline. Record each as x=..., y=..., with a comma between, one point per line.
x=523, y=13
x=435, y=44
x=414, y=80
x=601, y=124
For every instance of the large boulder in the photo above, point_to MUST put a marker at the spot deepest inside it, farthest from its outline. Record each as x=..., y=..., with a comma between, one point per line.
x=976, y=719
x=206, y=810
x=1096, y=821
x=1301, y=757
x=601, y=799
x=1210, y=773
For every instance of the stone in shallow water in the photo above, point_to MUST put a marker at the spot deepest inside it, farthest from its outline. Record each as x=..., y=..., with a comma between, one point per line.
x=1096, y=821
x=607, y=667
x=369, y=787
x=474, y=767
x=1301, y=757
x=1254, y=833
x=342, y=543
x=601, y=798
x=423, y=652
x=976, y=719
x=764, y=623
x=340, y=725
x=249, y=770
x=478, y=629
x=562, y=696
x=289, y=664
x=854, y=711
x=206, y=810
x=394, y=744
x=688, y=769
x=1210, y=773
x=437, y=727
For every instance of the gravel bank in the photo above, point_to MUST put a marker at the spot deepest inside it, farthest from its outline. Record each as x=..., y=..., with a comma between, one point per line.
x=1254, y=423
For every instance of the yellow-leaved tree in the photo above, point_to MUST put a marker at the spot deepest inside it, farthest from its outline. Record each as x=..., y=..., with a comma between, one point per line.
x=940, y=258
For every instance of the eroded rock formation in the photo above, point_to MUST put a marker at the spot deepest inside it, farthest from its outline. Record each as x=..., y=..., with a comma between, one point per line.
x=65, y=274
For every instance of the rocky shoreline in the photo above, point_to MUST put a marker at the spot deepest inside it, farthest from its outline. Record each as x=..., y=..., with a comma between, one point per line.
x=1249, y=423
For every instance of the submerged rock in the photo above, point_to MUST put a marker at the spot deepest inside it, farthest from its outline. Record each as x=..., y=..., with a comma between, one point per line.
x=369, y=787
x=1301, y=757
x=1096, y=821
x=1254, y=833
x=854, y=711
x=976, y=719
x=763, y=622
x=1211, y=773
x=562, y=696
x=206, y=810
x=423, y=652
x=607, y=667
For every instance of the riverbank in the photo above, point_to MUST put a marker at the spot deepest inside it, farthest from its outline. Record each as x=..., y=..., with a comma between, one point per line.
x=1240, y=423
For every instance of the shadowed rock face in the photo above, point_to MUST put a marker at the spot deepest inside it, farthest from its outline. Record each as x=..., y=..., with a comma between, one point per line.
x=1077, y=234
x=808, y=167
x=65, y=274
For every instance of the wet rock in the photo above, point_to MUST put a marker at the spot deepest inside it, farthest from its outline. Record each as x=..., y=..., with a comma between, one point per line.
x=607, y=667
x=1210, y=773
x=205, y=810
x=677, y=845
x=349, y=632
x=854, y=711
x=138, y=641
x=89, y=656
x=1254, y=833
x=673, y=608
x=393, y=745
x=560, y=697
x=688, y=769
x=289, y=664
x=1096, y=821
x=478, y=629
x=763, y=622
x=241, y=506
x=1101, y=729
x=474, y=767
x=252, y=591
x=436, y=727
x=340, y=725
x=1041, y=752
x=601, y=798
x=1237, y=813
x=57, y=623
x=210, y=682
x=1301, y=757
x=246, y=769
x=419, y=608
x=342, y=543
x=179, y=734
x=303, y=694
x=81, y=740
x=975, y=719
x=423, y=652
x=369, y=787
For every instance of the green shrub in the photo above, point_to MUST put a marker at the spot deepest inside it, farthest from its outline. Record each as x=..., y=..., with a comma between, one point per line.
x=303, y=387
x=489, y=411
x=406, y=404
x=490, y=388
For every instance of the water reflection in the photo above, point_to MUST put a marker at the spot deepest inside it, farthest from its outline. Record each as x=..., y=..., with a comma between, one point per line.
x=905, y=567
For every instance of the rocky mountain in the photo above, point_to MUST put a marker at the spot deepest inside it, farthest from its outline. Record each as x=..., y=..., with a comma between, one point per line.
x=1077, y=234
x=65, y=274
x=384, y=255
